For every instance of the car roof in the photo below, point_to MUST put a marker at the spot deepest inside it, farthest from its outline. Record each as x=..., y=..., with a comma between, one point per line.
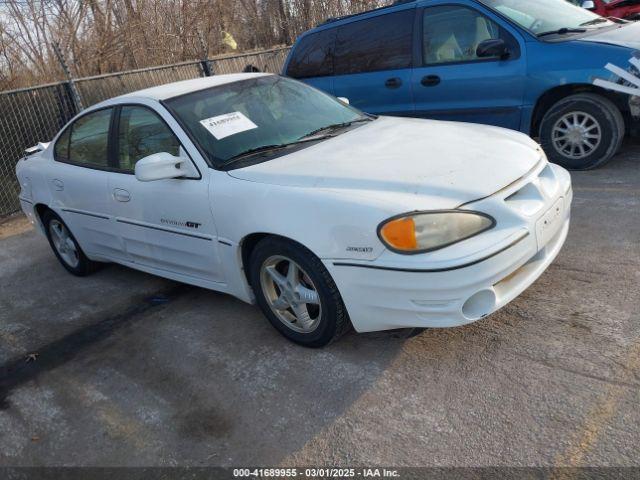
x=175, y=89
x=334, y=22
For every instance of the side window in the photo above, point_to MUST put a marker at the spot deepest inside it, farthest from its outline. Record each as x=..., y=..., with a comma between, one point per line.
x=380, y=43
x=452, y=34
x=313, y=56
x=61, y=149
x=141, y=133
x=88, y=138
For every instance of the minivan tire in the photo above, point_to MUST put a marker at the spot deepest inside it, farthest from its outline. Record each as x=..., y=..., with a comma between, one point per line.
x=330, y=321
x=600, y=117
x=84, y=265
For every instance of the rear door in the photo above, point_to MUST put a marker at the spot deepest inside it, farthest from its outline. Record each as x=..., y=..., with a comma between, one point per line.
x=78, y=183
x=372, y=62
x=453, y=83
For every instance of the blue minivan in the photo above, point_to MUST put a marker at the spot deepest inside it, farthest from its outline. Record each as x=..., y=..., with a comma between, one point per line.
x=527, y=65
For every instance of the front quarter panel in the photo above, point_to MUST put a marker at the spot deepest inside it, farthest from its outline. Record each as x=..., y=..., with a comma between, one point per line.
x=333, y=223
x=553, y=64
x=328, y=222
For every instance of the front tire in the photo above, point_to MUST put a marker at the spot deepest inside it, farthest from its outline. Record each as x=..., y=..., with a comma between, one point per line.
x=65, y=247
x=296, y=293
x=582, y=132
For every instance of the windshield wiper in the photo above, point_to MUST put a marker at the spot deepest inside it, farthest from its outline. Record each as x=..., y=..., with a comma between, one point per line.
x=272, y=148
x=562, y=31
x=313, y=136
x=261, y=149
x=335, y=126
x=595, y=21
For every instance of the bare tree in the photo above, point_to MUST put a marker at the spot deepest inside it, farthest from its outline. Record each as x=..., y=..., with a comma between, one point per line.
x=100, y=36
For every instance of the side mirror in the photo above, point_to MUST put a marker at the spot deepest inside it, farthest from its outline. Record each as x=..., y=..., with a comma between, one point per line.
x=492, y=48
x=160, y=166
x=589, y=5
x=344, y=100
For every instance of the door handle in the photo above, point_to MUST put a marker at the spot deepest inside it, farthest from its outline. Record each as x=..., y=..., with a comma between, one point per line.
x=430, y=81
x=394, y=82
x=57, y=184
x=121, y=195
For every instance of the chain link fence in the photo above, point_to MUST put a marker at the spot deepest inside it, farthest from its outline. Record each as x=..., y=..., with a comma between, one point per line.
x=32, y=115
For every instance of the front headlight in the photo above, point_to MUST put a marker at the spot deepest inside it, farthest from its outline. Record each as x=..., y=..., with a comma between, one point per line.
x=422, y=232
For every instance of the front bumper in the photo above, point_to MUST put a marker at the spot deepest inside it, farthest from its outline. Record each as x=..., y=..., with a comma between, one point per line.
x=382, y=296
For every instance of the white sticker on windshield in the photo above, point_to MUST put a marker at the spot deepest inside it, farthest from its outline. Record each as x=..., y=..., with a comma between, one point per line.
x=228, y=124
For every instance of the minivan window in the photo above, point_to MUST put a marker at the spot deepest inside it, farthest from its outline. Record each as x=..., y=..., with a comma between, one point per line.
x=452, y=34
x=313, y=55
x=379, y=43
x=542, y=16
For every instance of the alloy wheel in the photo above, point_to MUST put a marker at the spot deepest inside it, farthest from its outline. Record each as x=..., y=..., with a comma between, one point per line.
x=291, y=294
x=576, y=135
x=63, y=243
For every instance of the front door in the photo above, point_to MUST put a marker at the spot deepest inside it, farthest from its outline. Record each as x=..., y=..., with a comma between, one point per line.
x=453, y=83
x=165, y=225
x=372, y=63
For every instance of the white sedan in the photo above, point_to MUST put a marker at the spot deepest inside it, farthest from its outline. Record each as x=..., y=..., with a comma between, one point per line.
x=274, y=192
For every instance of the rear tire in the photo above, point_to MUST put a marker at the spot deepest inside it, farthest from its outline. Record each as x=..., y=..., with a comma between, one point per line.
x=65, y=246
x=582, y=132
x=283, y=275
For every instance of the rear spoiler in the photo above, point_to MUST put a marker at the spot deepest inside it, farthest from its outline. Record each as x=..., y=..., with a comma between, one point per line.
x=41, y=146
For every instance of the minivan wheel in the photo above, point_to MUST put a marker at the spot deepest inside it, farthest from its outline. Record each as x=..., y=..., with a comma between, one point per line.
x=582, y=131
x=296, y=293
x=65, y=246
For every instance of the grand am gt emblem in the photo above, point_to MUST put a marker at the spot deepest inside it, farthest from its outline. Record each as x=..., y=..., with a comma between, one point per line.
x=178, y=223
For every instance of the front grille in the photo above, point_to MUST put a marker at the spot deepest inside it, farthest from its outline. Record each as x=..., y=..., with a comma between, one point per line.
x=531, y=198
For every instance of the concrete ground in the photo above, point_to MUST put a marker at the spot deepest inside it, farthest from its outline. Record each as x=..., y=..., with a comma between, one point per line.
x=123, y=368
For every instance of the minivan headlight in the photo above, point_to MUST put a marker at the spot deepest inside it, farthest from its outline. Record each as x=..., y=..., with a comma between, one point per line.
x=422, y=232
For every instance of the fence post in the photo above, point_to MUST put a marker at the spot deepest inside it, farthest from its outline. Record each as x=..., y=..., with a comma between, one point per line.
x=74, y=93
x=204, y=63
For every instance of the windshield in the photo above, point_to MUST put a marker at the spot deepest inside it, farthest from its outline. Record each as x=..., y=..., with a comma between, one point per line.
x=542, y=16
x=244, y=117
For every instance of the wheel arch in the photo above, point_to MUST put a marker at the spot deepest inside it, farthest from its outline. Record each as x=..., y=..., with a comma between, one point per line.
x=249, y=243
x=40, y=209
x=554, y=95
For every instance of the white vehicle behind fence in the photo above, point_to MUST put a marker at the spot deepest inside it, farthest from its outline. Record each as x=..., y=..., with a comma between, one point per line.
x=269, y=190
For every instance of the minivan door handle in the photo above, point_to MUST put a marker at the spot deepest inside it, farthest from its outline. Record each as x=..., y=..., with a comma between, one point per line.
x=430, y=81
x=394, y=82
x=121, y=195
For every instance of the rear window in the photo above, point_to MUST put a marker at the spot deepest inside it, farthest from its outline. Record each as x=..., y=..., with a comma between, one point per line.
x=380, y=43
x=313, y=56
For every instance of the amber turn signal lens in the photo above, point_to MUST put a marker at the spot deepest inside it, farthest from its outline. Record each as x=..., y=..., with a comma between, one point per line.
x=423, y=232
x=400, y=234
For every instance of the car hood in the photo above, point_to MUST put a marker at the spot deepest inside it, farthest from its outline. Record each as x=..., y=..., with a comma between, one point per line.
x=626, y=36
x=453, y=162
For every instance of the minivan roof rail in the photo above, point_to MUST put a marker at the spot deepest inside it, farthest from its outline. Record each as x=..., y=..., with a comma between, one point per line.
x=394, y=4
